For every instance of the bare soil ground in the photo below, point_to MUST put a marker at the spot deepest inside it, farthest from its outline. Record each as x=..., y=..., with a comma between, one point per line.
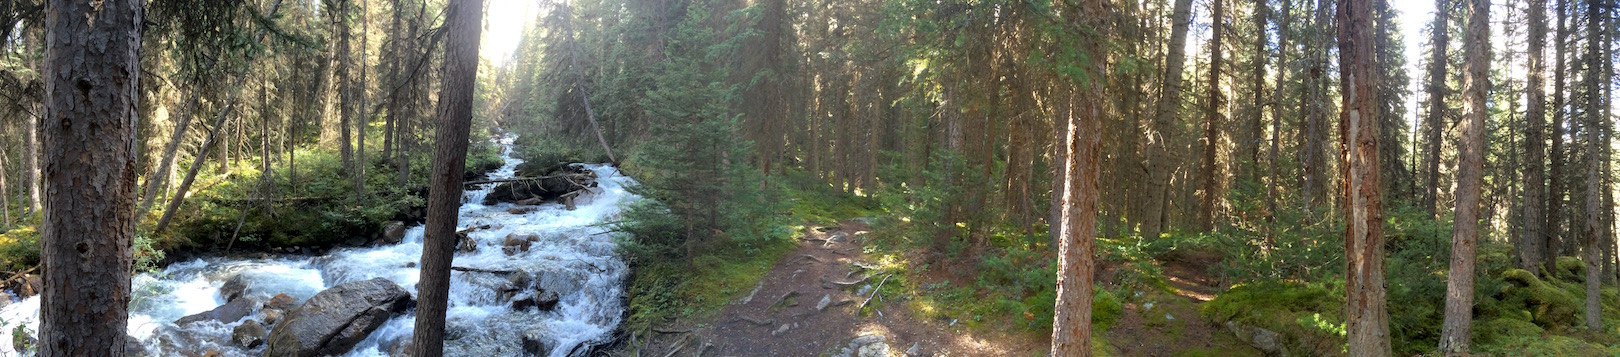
x=781, y=316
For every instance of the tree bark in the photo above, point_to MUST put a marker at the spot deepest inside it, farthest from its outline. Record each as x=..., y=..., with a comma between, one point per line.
x=1162, y=158
x=1555, y=160
x=1532, y=240
x=1368, y=322
x=1212, y=123
x=1594, y=218
x=1276, y=119
x=1071, y=328
x=1456, y=332
x=92, y=90
x=449, y=157
x=1437, y=106
x=1250, y=143
x=579, y=72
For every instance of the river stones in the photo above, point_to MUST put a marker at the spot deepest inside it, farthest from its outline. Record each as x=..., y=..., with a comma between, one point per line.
x=537, y=343
x=249, y=335
x=228, y=313
x=518, y=242
x=394, y=232
x=233, y=288
x=334, y=320
x=280, y=302
x=544, y=300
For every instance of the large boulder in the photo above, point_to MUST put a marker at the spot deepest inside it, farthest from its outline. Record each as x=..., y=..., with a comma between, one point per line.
x=394, y=232
x=233, y=288
x=249, y=335
x=228, y=313
x=334, y=320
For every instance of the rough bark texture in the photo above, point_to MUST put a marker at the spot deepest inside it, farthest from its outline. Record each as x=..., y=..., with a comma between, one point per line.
x=449, y=157
x=1594, y=218
x=1459, y=322
x=1212, y=124
x=1555, y=159
x=1162, y=159
x=92, y=86
x=1276, y=116
x=1532, y=240
x=1437, y=107
x=1071, y=329
x=1368, y=321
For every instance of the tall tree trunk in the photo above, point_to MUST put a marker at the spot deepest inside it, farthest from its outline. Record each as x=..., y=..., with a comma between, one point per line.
x=1256, y=131
x=1071, y=328
x=1459, y=323
x=1532, y=240
x=449, y=159
x=31, y=162
x=1212, y=123
x=1315, y=139
x=5, y=204
x=1594, y=220
x=1276, y=118
x=1555, y=162
x=201, y=158
x=1437, y=106
x=160, y=175
x=1162, y=156
x=1368, y=321
x=363, y=118
x=346, y=105
x=92, y=89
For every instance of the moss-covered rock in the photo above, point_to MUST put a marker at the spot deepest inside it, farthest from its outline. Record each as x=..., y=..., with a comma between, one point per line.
x=1569, y=268
x=1308, y=316
x=1547, y=305
x=1504, y=330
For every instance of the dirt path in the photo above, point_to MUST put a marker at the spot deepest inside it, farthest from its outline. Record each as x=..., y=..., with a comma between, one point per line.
x=805, y=306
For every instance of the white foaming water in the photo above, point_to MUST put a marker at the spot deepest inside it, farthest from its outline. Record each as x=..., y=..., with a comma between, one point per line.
x=574, y=257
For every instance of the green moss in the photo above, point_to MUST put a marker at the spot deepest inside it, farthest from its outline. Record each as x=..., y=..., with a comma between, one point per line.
x=1547, y=305
x=1504, y=330
x=1570, y=268
x=1309, y=316
x=19, y=248
x=1105, y=310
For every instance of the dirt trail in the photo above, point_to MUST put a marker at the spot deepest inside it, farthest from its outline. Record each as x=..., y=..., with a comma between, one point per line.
x=785, y=314
x=781, y=316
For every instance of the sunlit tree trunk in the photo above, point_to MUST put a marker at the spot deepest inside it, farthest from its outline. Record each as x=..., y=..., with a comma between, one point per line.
x=1594, y=218
x=449, y=157
x=1456, y=332
x=1082, y=133
x=1162, y=157
x=1367, y=325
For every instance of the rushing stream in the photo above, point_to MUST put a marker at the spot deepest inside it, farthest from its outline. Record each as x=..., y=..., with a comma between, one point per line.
x=574, y=257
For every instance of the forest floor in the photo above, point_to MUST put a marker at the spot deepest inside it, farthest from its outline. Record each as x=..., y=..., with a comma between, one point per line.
x=807, y=305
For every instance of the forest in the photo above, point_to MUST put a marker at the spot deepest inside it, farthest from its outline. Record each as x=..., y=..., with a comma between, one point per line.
x=681, y=177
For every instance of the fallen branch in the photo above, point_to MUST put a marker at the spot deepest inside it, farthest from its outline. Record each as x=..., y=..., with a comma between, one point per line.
x=480, y=270
x=765, y=322
x=856, y=282
x=874, y=294
x=569, y=177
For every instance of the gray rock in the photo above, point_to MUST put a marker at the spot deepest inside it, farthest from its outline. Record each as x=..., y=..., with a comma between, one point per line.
x=228, y=313
x=536, y=343
x=781, y=330
x=133, y=347
x=915, y=350
x=1267, y=341
x=249, y=335
x=233, y=288
x=334, y=320
x=394, y=232
x=825, y=300
x=544, y=300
